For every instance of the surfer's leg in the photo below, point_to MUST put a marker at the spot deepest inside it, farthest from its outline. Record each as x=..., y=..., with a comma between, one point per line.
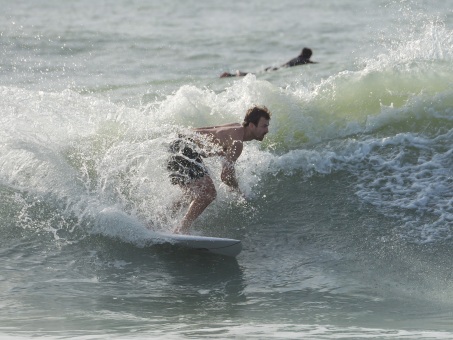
x=203, y=193
x=181, y=203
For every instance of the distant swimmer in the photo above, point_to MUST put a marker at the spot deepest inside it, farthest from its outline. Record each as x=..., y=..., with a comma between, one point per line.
x=302, y=59
x=236, y=74
x=187, y=169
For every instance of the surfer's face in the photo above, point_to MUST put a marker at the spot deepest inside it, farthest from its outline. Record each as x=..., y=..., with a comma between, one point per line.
x=261, y=129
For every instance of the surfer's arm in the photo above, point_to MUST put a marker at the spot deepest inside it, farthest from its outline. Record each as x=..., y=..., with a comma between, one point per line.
x=228, y=175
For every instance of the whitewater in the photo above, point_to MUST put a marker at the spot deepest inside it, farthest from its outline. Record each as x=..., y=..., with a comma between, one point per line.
x=348, y=223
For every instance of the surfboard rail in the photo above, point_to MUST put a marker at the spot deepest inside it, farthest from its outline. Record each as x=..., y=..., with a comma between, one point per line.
x=208, y=244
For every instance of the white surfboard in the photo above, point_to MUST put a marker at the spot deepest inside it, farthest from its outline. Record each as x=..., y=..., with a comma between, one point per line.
x=214, y=245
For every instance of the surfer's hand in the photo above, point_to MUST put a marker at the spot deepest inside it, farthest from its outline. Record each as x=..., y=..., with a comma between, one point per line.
x=237, y=193
x=241, y=197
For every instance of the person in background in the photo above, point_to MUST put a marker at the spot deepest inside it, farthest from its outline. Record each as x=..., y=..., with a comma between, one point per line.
x=302, y=59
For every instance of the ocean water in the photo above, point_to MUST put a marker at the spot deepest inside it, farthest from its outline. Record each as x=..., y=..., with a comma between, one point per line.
x=347, y=229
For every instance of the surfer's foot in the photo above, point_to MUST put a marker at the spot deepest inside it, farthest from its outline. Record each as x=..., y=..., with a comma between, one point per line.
x=181, y=230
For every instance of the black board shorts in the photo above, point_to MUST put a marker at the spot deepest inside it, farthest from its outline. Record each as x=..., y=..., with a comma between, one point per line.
x=185, y=163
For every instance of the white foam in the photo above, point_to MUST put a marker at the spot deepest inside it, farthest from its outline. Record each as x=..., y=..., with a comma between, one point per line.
x=114, y=223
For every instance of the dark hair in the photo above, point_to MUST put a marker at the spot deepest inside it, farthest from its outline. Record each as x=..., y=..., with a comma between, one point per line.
x=254, y=114
x=306, y=53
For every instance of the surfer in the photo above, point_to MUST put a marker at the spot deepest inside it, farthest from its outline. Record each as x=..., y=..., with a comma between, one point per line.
x=188, y=170
x=302, y=59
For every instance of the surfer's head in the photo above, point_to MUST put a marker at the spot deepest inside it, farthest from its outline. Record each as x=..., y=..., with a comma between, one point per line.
x=256, y=123
x=306, y=53
x=254, y=114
